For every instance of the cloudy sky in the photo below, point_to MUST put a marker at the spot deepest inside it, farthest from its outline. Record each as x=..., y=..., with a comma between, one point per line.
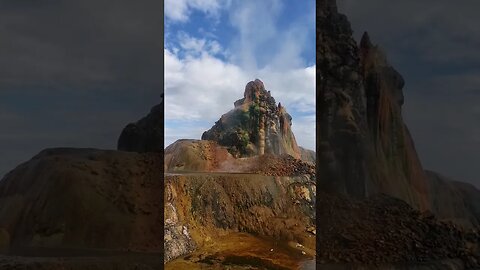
x=435, y=46
x=74, y=73
x=213, y=48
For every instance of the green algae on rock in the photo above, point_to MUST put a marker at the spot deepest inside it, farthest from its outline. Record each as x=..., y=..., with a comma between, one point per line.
x=256, y=126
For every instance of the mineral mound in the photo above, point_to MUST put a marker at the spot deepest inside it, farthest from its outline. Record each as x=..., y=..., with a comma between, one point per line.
x=87, y=208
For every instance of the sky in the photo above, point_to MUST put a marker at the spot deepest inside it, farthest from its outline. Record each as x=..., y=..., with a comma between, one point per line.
x=213, y=48
x=74, y=73
x=435, y=45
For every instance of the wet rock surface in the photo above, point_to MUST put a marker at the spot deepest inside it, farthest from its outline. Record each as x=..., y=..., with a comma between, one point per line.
x=241, y=251
x=278, y=207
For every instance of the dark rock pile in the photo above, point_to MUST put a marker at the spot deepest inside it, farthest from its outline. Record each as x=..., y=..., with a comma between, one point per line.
x=386, y=230
x=284, y=165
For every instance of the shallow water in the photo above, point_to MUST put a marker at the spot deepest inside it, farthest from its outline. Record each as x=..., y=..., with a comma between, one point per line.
x=240, y=251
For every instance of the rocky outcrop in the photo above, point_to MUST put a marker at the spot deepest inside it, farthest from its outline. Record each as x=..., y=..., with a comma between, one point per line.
x=256, y=126
x=363, y=144
x=83, y=199
x=177, y=239
x=207, y=206
x=364, y=148
x=455, y=201
x=395, y=163
x=146, y=135
x=342, y=142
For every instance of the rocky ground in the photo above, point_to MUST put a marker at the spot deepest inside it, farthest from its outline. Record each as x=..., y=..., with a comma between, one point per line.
x=283, y=165
x=383, y=230
x=202, y=208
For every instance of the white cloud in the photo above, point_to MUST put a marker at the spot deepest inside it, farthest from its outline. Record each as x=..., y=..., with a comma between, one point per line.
x=304, y=130
x=204, y=79
x=295, y=88
x=195, y=46
x=205, y=87
x=200, y=87
x=179, y=10
x=256, y=29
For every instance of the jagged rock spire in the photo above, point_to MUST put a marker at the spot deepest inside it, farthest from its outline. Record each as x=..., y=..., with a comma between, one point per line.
x=256, y=126
x=365, y=41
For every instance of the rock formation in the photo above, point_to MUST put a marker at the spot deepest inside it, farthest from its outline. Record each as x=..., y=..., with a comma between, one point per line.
x=97, y=209
x=207, y=206
x=244, y=176
x=256, y=126
x=364, y=146
x=84, y=199
x=146, y=135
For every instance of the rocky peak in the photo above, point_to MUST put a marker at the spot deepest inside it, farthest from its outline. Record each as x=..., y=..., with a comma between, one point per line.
x=256, y=126
x=378, y=73
x=253, y=90
x=363, y=144
x=365, y=42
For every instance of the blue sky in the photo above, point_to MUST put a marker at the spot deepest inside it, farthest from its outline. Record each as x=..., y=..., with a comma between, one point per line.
x=213, y=48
